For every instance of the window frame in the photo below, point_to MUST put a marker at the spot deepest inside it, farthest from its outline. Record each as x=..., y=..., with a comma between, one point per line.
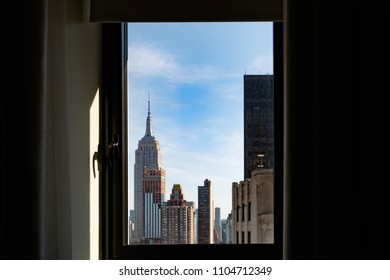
x=113, y=180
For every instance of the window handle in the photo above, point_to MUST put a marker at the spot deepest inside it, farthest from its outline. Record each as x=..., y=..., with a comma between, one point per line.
x=113, y=150
x=96, y=157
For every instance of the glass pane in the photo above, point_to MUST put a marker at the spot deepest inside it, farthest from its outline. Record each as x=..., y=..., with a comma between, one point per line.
x=200, y=130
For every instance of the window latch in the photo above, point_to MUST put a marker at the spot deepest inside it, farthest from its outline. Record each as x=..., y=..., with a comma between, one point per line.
x=113, y=150
x=96, y=157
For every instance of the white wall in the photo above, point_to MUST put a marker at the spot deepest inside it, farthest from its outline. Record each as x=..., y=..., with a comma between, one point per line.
x=83, y=64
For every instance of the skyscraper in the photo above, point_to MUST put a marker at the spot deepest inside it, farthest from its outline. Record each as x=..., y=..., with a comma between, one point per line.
x=149, y=186
x=258, y=122
x=229, y=229
x=217, y=225
x=205, y=213
x=130, y=227
x=177, y=219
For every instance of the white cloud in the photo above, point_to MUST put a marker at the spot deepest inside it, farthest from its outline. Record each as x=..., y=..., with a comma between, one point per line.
x=148, y=61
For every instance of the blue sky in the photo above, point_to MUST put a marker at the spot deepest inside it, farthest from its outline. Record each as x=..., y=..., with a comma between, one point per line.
x=194, y=74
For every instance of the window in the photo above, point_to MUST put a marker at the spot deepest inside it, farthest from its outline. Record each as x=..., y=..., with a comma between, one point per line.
x=249, y=211
x=185, y=92
x=114, y=218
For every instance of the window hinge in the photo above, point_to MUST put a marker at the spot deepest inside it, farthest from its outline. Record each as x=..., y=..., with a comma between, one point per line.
x=113, y=150
x=97, y=157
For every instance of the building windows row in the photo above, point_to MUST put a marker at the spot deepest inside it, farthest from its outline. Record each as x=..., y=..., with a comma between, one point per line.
x=242, y=241
x=249, y=210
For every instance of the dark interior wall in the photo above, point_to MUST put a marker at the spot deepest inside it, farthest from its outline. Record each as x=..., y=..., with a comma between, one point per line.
x=19, y=238
x=337, y=152
x=46, y=68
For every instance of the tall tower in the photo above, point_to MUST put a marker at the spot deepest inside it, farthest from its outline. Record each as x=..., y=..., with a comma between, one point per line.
x=149, y=186
x=177, y=219
x=258, y=122
x=205, y=213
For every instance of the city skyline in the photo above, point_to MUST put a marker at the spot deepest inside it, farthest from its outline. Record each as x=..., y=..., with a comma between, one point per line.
x=194, y=75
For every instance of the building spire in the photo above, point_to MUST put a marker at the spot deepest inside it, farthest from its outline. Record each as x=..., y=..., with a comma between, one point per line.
x=149, y=131
x=148, y=104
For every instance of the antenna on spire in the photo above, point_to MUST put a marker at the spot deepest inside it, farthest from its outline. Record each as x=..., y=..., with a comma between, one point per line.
x=148, y=103
x=148, y=131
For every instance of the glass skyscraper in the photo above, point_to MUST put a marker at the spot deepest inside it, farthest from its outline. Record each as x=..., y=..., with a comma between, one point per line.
x=205, y=213
x=258, y=122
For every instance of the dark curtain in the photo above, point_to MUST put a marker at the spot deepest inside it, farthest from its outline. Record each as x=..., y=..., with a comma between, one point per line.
x=36, y=206
x=337, y=130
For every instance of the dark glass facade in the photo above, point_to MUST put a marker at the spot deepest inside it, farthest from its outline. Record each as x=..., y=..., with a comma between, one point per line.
x=205, y=213
x=258, y=122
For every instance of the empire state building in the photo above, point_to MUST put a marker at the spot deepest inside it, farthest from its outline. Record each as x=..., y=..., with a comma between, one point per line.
x=149, y=187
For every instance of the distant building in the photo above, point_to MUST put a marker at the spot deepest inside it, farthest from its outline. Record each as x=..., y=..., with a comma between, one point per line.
x=223, y=231
x=226, y=226
x=132, y=216
x=217, y=226
x=205, y=213
x=196, y=225
x=154, y=195
x=177, y=219
x=258, y=121
x=253, y=208
x=149, y=187
x=229, y=229
x=131, y=226
x=130, y=230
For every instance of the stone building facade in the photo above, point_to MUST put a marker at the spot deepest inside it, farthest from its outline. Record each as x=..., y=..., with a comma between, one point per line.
x=253, y=208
